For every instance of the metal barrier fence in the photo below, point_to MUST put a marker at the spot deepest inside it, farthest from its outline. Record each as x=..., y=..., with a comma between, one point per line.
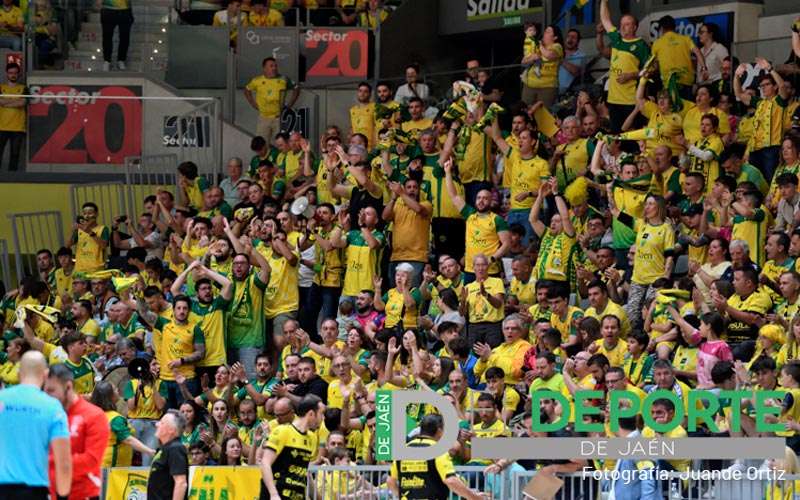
x=108, y=196
x=197, y=128
x=369, y=482
x=31, y=232
x=5, y=268
x=144, y=175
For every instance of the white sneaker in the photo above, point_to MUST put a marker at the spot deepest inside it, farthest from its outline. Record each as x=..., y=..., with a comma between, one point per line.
x=106, y=66
x=121, y=65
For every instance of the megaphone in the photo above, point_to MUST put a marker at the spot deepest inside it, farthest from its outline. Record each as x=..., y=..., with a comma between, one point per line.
x=300, y=206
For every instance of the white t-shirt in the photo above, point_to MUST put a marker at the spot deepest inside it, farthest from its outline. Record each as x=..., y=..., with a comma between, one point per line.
x=713, y=56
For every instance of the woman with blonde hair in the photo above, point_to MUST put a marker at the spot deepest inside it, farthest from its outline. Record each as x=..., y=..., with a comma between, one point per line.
x=791, y=348
x=784, y=489
x=655, y=239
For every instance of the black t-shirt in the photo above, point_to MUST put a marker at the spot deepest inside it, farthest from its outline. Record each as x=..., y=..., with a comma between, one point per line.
x=171, y=460
x=316, y=386
x=361, y=198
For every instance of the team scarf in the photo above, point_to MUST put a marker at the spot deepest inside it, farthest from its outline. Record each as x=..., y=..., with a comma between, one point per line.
x=639, y=184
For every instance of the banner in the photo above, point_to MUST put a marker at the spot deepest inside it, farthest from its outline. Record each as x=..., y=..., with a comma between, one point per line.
x=334, y=55
x=690, y=25
x=196, y=132
x=68, y=124
x=463, y=16
x=297, y=120
x=256, y=43
x=231, y=483
x=127, y=483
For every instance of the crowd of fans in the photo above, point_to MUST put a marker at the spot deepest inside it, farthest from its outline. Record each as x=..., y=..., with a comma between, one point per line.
x=642, y=240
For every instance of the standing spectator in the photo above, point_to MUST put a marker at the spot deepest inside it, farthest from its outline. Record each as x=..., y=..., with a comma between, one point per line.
x=628, y=55
x=267, y=94
x=713, y=53
x=262, y=14
x=12, y=115
x=229, y=184
x=486, y=232
x=412, y=87
x=122, y=443
x=652, y=260
x=362, y=250
x=362, y=114
x=245, y=321
x=765, y=144
x=541, y=80
x=90, y=240
x=412, y=225
x=673, y=52
x=12, y=24
x=232, y=17
x=170, y=469
x=89, y=432
x=33, y=422
x=179, y=345
x=573, y=62
x=116, y=13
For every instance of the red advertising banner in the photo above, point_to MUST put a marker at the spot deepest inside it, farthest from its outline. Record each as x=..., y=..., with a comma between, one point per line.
x=78, y=124
x=333, y=55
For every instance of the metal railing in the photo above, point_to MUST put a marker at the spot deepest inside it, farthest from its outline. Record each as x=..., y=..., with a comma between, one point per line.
x=145, y=175
x=5, y=268
x=31, y=232
x=108, y=196
x=200, y=138
x=369, y=482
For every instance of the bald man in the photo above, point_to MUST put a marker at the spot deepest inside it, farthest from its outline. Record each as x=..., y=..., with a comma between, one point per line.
x=32, y=423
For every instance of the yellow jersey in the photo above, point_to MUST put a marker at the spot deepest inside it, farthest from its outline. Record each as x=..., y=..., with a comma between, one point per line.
x=524, y=175
x=709, y=168
x=548, y=71
x=478, y=162
x=269, y=94
x=651, y=243
x=767, y=122
x=89, y=256
x=673, y=52
x=12, y=119
x=753, y=230
x=362, y=262
x=482, y=236
x=566, y=325
x=118, y=453
x=692, y=117
x=627, y=56
x=362, y=121
x=480, y=310
x=282, y=294
x=666, y=125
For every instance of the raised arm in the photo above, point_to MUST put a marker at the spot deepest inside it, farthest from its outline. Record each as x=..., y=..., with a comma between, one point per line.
x=563, y=211
x=222, y=280
x=457, y=200
x=175, y=289
x=605, y=16
x=536, y=223
x=261, y=262
x=741, y=96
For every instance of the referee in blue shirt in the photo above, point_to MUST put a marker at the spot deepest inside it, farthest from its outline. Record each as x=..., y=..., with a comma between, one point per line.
x=31, y=422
